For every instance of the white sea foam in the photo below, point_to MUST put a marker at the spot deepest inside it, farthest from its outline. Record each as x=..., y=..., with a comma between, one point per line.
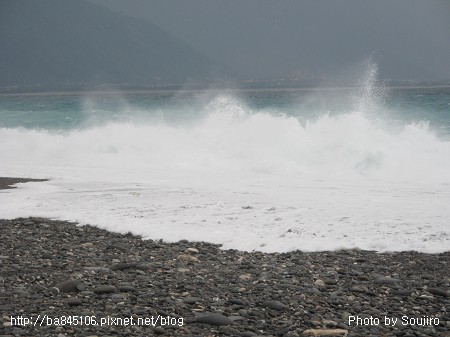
x=246, y=178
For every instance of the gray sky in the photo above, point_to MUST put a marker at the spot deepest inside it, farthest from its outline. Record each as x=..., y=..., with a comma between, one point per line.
x=408, y=39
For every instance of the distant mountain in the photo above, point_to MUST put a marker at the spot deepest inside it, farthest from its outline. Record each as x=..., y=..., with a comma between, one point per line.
x=309, y=39
x=62, y=45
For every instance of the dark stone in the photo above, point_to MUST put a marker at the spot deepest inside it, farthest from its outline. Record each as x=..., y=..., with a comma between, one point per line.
x=126, y=289
x=191, y=300
x=213, y=319
x=236, y=301
x=403, y=292
x=73, y=301
x=159, y=331
x=81, y=287
x=358, y=289
x=386, y=280
x=69, y=286
x=142, y=266
x=248, y=334
x=330, y=281
x=283, y=331
x=228, y=330
x=118, y=297
x=104, y=289
x=123, y=266
x=275, y=305
x=438, y=292
x=98, y=269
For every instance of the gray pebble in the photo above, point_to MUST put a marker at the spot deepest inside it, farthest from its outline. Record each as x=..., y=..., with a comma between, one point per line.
x=386, y=280
x=213, y=319
x=104, y=289
x=69, y=286
x=73, y=301
x=275, y=305
x=439, y=292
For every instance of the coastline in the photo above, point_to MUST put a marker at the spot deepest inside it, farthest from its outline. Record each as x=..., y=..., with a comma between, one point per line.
x=57, y=269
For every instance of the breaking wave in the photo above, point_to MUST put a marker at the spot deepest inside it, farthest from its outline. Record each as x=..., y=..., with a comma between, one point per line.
x=233, y=137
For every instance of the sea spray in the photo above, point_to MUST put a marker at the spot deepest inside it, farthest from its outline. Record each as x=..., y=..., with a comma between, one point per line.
x=369, y=93
x=234, y=138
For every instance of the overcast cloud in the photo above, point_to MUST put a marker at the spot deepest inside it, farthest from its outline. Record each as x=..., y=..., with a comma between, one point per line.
x=267, y=38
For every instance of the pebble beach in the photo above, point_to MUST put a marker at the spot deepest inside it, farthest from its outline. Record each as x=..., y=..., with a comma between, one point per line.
x=61, y=279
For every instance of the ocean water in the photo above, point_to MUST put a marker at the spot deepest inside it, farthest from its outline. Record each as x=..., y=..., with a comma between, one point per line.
x=365, y=167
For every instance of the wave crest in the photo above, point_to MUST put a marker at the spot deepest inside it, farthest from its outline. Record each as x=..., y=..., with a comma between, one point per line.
x=232, y=137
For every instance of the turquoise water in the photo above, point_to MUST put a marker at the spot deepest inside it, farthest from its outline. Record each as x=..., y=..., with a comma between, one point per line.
x=67, y=112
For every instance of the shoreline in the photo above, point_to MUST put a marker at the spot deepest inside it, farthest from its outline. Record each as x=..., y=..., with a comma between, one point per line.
x=57, y=268
x=7, y=183
x=60, y=269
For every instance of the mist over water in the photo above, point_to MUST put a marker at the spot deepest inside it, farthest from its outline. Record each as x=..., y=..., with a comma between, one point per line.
x=271, y=170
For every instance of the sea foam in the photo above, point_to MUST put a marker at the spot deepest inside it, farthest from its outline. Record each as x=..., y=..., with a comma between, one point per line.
x=236, y=139
x=248, y=178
